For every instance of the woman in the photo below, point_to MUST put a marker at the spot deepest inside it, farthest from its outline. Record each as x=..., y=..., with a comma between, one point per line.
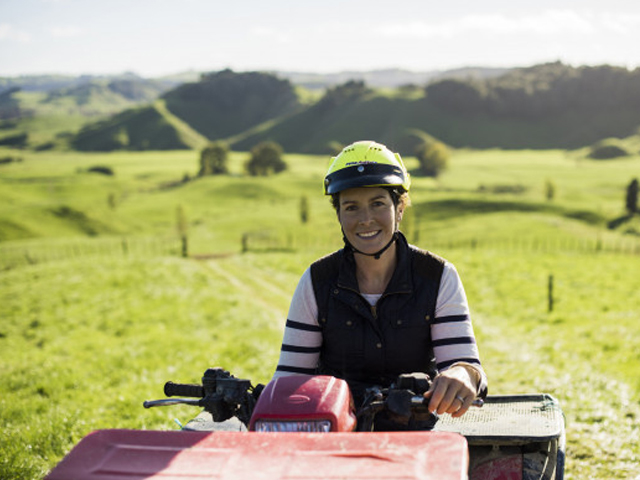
x=380, y=307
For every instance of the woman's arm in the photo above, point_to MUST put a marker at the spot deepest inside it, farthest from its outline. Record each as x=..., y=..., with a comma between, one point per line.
x=302, y=338
x=461, y=378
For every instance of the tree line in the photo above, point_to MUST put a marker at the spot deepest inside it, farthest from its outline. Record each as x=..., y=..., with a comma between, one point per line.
x=540, y=91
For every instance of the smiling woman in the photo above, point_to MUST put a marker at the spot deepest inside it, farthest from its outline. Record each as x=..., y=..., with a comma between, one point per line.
x=379, y=307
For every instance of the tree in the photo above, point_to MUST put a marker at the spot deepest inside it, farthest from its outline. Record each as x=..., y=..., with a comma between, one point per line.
x=433, y=158
x=632, y=197
x=266, y=158
x=459, y=96
x=213, y=159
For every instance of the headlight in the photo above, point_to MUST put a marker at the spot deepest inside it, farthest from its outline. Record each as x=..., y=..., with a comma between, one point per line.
x=301, y=426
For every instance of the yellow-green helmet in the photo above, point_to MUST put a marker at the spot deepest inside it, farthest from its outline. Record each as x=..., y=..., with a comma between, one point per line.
x=366, y=164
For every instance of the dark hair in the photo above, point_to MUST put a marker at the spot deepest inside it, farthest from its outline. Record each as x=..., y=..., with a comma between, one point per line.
x=398, y=196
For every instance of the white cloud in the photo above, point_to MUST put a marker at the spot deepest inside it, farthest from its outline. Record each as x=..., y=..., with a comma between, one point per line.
x=549, y=22
x=271, y=33
x=66, y=32
x=622, y=24
x=8, y=32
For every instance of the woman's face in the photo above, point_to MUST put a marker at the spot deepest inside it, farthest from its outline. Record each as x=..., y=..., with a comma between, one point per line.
x=368, y=217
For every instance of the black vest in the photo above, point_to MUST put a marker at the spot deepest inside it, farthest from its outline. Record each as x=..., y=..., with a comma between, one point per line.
x=373, y=345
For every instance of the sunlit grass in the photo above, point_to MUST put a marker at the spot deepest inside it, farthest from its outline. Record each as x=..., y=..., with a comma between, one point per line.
x=86, y=335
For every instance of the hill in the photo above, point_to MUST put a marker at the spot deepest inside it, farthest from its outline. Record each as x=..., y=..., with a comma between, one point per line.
x=44, y=111
x=216, y=107
x=224, y=103
x=147, y=128
x=51, y=83
x=540, y=107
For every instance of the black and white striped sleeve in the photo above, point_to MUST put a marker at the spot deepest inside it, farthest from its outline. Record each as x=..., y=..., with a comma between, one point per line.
x=452, y=332
x=302, y=338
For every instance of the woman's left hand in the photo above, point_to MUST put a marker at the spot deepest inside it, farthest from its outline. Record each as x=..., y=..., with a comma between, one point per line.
x=452, y=391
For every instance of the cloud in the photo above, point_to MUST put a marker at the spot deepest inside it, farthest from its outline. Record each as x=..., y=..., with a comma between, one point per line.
x=8, y=32
x=550, y=22
x=66, y=32
x=622, y=24
x=271, y=33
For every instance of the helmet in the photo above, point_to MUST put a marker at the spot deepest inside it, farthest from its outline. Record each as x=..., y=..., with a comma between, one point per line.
x=366, y=164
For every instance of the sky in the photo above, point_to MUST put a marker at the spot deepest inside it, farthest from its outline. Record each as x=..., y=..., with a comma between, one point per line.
x=162, y=37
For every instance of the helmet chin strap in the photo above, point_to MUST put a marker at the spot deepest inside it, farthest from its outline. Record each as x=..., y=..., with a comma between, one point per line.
x=375, y=255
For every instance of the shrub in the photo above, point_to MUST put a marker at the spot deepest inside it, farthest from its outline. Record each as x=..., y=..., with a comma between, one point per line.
x=266, y=158
x=18, y=140
x=9, y=159
x=433, y=158
x=100, y=169
x=607, y=149
x=213, y=159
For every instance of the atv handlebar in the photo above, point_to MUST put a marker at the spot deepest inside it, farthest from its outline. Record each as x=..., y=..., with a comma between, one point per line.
x=183, y=390
x=221, y=394
x=225, y=396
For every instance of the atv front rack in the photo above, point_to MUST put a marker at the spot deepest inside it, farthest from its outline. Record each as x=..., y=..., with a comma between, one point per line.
x=520, y=428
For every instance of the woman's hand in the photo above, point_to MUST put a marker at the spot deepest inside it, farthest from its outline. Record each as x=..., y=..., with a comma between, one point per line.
x=452, y=391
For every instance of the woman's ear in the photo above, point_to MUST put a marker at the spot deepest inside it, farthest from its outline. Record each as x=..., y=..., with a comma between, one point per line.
x=399, y=214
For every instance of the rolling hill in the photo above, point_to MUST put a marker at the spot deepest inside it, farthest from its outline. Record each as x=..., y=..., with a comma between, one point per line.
x=540, y=107
x=46, y=110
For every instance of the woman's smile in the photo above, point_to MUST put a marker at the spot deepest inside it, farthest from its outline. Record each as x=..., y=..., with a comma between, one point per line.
x=368, y=234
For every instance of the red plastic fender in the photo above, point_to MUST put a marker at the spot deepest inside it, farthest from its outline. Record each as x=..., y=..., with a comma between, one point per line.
x=137, y=455
x=304, y=397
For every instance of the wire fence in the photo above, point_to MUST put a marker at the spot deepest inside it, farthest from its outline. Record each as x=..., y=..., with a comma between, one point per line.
x=630, y=246
x=283, y=241
x=16, y=254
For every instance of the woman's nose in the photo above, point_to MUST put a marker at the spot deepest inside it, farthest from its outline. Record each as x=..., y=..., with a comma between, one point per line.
x=365, y=216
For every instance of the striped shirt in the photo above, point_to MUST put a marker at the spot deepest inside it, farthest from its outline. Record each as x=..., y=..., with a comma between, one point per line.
x=451, y=331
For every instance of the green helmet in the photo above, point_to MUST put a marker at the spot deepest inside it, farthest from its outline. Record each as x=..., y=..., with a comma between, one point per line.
x=366, y=164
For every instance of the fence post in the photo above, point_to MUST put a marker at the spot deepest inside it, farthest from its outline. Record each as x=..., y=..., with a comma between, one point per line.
x=185, y=246
x=245, y=242
x=550, y=294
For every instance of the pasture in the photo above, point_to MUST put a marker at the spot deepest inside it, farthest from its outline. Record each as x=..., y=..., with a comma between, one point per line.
x=98, y=307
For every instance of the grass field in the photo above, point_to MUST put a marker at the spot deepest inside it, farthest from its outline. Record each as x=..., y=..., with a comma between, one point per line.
x=86, y=336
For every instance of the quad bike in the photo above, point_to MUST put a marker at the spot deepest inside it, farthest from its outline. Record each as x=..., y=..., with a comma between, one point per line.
x=308, y=427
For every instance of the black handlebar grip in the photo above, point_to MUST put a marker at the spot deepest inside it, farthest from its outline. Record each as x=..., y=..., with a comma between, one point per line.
x=183, y=390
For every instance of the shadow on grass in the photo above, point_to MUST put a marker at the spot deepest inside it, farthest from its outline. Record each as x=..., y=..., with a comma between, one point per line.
x=618, y=222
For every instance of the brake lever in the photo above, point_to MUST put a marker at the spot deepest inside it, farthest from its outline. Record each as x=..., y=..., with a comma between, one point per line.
x=172, y=401
x=420, y=400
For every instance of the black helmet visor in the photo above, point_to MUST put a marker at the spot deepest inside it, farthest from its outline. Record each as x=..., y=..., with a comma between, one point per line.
x=364, y=175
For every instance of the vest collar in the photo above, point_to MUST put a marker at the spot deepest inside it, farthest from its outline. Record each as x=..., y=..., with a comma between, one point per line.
x=401, y=280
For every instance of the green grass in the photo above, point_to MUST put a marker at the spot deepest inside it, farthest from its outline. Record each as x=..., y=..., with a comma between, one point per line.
x=90, y=331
